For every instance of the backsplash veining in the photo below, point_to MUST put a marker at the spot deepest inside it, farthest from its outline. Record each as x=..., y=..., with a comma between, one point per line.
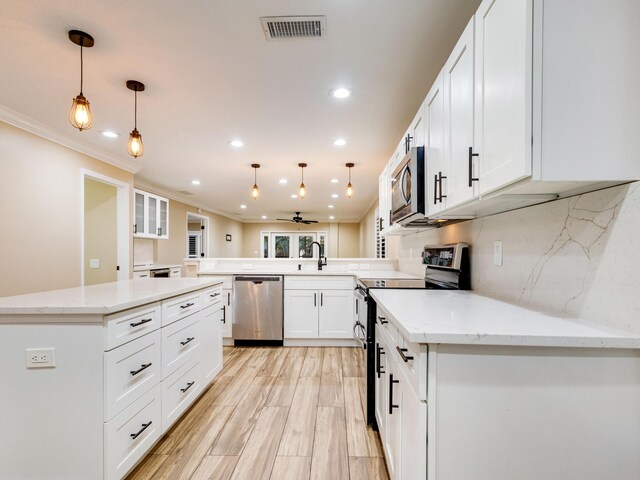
x=578, y=256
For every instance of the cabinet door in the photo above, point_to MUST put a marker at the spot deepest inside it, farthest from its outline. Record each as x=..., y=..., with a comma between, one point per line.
x=384, y=200
x=437, y=167
x=336, y=314
x=163, y=218
x=227, y=326
x=413, y=433
x=152, y=214
x=140, y=223
x=418, y=128
x=301, y=313
x=502, y=92
x=393, y=420
x=381, y=384
x=211, y=341
x=458, y=94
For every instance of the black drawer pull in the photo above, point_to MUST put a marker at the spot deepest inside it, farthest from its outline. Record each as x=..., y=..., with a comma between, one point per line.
x=141, y=322
x=383, y=320
x=401, y=351
x=187, y=305
x=391, y=382
x=379, y=352
x=189, y=385
x=144, y=427
x=190, y=339
x=214, y=295
x=143, y=367
x=224, y=314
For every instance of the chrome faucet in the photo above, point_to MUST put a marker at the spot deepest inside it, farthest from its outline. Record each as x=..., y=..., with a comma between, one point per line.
x=320, y=256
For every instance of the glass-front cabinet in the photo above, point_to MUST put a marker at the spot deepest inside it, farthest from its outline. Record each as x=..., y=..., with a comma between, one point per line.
x=151, y=216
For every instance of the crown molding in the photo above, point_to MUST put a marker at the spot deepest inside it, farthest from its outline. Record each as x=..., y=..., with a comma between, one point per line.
x=170, y=194
x=40, y=129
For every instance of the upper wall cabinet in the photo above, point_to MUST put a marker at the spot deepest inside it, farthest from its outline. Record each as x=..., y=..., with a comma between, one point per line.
x=151, y=217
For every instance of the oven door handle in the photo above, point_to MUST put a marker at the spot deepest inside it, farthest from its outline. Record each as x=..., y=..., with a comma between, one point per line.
x=360, y=334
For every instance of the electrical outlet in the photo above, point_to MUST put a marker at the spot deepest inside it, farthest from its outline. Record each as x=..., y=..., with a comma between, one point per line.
x=497, y=253
x=41, y=357
x=94, y=263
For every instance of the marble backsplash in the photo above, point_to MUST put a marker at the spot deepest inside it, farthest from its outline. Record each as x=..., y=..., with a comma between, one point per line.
x=579, y=256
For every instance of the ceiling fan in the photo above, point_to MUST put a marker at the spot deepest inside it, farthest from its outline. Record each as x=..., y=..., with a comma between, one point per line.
x=297, y=219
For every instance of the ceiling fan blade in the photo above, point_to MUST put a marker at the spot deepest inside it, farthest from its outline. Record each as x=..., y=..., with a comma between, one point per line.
x=309, y=221
x=284, y=219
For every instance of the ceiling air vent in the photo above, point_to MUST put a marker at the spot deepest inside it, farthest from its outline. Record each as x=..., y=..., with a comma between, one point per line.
x=184, y=192
x=280, y=28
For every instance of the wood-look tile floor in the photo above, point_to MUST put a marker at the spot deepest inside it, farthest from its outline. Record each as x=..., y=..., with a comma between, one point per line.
x=274, y=413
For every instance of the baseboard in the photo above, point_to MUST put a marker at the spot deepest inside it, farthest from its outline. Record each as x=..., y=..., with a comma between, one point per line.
x=320, y=342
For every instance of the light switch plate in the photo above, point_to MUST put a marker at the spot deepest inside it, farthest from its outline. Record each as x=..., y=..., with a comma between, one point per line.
x=497, y=253
x=94, y=263
x=40, y=357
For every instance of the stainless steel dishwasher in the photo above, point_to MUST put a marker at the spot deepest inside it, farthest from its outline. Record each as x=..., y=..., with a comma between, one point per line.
x=258, y=309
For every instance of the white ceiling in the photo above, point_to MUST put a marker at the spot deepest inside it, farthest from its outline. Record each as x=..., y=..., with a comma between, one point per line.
x=211, y=77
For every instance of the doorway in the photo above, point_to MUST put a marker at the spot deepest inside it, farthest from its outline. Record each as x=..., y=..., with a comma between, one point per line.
x=197, y=235
x=105, y=229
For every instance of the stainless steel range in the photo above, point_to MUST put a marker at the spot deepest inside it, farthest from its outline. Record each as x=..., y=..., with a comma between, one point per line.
x=446, y=268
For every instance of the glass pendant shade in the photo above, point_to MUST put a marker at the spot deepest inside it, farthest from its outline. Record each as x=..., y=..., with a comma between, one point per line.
x=135, y=145
x=255, y=191
x=302, y=190
x=80, y=114
x=349, y=190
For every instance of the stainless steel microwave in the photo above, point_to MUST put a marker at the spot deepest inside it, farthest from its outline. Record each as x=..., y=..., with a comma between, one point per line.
x=407, y=188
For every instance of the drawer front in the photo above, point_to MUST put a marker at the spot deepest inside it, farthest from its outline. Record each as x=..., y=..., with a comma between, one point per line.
x=142, y=420
x=212, y=296
x=180, y=343
x=175, y=272
x=179, y=307
x=179, y=391
x=131, y=324
x=130, y=371
x=412, y=361
x=142, y=274
x=390, y=331
x=318, y=282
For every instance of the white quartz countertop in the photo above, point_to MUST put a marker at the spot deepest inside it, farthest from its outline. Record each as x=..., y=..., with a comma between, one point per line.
x=361, y=274
x=102, y=299
x=463, y=317
x=155, y=266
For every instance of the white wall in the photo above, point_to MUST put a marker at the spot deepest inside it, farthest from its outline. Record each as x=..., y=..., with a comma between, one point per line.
x=578, y=256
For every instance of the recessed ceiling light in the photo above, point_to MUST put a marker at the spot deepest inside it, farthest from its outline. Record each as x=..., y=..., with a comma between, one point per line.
x=109, y=134
x=330, y=206
x=331, y=217
x=282, y=181
x=195, y=182
x=236, y=143
x=264, y=217
x=334, y=180
x=243, y=206
x=334, y=195
x=293, y=195
x=340, y=142
x=341, y=92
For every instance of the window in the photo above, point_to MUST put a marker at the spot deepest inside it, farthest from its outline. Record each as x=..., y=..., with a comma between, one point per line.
x=292, y=244
x=380, y=240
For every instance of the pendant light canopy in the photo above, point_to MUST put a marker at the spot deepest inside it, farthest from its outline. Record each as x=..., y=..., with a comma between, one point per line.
x=135, y=145
x=302, y=190
x=80, y=114
x=255, y=191
x=349, y=186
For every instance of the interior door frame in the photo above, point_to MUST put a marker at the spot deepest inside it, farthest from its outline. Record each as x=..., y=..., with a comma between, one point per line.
x=204, y=237
x=123, y=223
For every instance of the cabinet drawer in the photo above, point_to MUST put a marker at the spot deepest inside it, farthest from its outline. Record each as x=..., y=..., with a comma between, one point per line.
x=130, y=371
x=175, y=272
x=125, y=326
x=179, y=391
x=179, y=307
x=412, y=361
x=180, y=343
x=212, y=296
x=142, y=274
x=386, y=327
x=142, y=420
x=318, y=282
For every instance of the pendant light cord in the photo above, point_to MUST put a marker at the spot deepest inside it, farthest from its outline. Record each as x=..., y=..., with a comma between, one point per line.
x=81, y=69
x=135, y=109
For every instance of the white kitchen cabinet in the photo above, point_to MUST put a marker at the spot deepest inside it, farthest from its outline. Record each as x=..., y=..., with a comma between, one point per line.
x=151, y=215
x=211, y=341
x=227, y=324
x=413, y=432
x=393, y=423
x=301, y=313
x=381, y=352
x=417, y=129
x=384, y=200
x=336, y=308
x=458, y=114
x=437, y=181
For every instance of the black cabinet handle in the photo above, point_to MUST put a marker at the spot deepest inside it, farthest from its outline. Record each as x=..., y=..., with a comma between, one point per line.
x=321, y=299
x=143, y=276
x=471, y=177
x=143, y=367
x=391, y=382
x=187, y=305
x=141, y=322
x=379, y=352
x=214, y=295
x=407, y=143
x=135, y=228
x=229, y=299
x=188, y=340
x=382, y=320
x=356, y=306
x=401, y=351
x=440, y=178
x=224, y=314
x=314, y=299
x=435, y=189
x=144, y=427
x=189, y=385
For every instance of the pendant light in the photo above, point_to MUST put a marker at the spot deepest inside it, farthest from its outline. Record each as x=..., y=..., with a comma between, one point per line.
x=302, y=190
x=135, y=145
x=255, y=191
x=349, y=186
x=80, y=114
